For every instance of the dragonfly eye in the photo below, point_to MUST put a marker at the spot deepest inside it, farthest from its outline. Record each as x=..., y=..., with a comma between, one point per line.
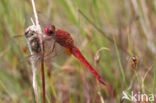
x=50, y=30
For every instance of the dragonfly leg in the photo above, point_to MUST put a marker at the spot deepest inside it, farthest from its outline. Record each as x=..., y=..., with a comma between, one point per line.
x=28, y=58
x=54, y=49
x=49, y=55
x=47, y=38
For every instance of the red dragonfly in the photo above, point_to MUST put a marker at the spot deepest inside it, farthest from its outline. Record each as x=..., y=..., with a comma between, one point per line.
x=65, y=40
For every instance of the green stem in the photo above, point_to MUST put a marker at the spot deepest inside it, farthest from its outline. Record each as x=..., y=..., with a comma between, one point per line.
x=154, y=81
x=138, y=80
x=119, y=61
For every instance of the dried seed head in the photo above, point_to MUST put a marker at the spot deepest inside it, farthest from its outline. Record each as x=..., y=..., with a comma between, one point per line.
x=97, y=59
x=35, y=45
x=33, y=40
x=29, y=33
x=134, y=62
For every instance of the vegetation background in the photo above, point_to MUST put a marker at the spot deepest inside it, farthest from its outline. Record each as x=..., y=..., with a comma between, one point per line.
x=117, y=37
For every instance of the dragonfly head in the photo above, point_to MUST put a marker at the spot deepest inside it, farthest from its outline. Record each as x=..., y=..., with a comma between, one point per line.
x=49, y=30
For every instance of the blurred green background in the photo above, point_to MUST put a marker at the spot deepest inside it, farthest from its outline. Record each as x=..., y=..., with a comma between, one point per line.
x=116, y=36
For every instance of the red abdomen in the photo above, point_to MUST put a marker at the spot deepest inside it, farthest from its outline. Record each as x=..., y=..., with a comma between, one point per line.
x=76, y=52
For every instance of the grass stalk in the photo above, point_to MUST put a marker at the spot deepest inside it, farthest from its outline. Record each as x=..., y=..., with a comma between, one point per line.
x=6, y=90
x=138, y=80
x=43, y=75
x=52, y=86
x=129, y=44
x=119, y=61
x=135, y=69
x=154, y=81
x=36, y=27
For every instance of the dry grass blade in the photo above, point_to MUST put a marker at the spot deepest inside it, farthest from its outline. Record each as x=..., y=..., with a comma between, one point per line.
x=37, y=40
x=143, y=79
x=145, y=24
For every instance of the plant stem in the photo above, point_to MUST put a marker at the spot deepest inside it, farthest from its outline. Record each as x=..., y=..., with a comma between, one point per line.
x=42, y=73
x=119, y=61
x=138, y=80
x=154, y=81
